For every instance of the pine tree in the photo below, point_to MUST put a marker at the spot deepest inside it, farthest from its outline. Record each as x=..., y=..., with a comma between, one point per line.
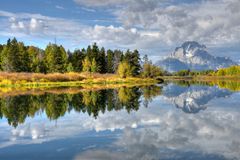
x=110, y=60
x=101, y=61
x=14, y=57
x=60, y=60
x=89, y=52
x=135, y=62
x=76, y=60
x=4, y=59
x=55, y=59
x=24, y=64
x=95, y=52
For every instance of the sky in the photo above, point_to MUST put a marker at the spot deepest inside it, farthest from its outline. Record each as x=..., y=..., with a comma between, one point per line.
x=154, y=27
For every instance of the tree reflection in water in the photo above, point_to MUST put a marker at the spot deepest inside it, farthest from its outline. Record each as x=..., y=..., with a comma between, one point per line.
x=17, y=108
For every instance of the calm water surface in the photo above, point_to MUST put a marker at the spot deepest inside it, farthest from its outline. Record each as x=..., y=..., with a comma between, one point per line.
x=168, y=121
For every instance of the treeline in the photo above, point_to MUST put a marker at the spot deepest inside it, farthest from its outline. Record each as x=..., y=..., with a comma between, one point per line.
x=16, y=57
x=230, y=71
x=192, y=73
x=17, y=108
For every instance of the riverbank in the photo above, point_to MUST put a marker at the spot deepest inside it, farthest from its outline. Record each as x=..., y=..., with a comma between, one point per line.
x=37, y=80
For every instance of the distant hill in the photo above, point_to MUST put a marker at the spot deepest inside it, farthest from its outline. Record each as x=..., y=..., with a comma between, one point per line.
x=191, y=55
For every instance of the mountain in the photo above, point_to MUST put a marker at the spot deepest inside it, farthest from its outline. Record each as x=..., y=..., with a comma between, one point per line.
x=194, y=56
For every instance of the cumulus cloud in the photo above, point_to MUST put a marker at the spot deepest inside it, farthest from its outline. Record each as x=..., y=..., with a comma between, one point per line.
x=112, y=34
x=70, y=30
x=211, y=22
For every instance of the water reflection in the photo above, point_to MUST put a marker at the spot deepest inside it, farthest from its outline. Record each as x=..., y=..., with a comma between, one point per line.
x=193, y=98
x=125, y=123
x=17, y=108
x=212, y=135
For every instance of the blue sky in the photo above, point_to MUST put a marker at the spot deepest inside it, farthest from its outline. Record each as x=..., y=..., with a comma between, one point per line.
x=155, y=27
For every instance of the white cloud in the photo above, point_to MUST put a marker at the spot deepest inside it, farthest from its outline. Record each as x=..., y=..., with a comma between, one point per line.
x=70, y=30
x=111, y=34
x=210, y=22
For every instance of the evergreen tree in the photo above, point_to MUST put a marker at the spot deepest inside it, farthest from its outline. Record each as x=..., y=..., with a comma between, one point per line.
x=76, y=60
x=60, y=60
x=14, y=57
x=6, y=58
x=101, y=61
x=23, y=60
x=55, y=59
x=133, y=58
x=89, y=52
x=110, y=61
x=95, y=52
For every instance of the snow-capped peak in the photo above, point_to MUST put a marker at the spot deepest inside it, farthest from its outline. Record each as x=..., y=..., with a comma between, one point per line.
x=194, y=56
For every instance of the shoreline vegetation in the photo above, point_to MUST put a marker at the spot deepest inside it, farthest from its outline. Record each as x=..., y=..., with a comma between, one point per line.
x=37, y=80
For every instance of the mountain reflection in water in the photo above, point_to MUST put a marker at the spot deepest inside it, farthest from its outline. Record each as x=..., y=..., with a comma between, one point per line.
x=192, y=99
x=124, y=123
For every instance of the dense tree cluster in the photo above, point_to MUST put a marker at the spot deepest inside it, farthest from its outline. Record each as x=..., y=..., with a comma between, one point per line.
x=16, y=57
